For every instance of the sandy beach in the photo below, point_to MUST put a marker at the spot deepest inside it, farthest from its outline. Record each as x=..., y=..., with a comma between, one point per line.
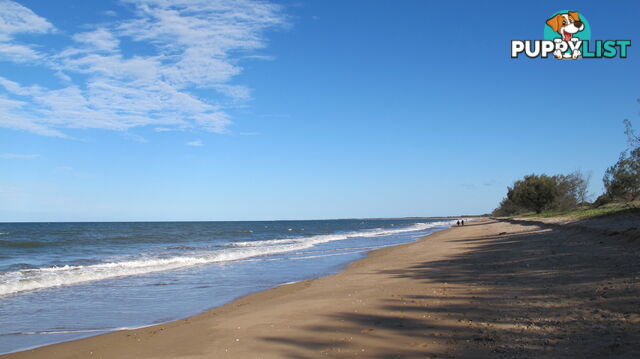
x=500, y=289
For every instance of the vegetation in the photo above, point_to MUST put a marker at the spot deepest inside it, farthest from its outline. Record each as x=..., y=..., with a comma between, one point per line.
x=622, y=180
x=548, y=196
x=589, y=211
x=540, y=193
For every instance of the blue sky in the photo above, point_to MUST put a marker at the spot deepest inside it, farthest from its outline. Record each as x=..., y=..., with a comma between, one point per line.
x=240, y=110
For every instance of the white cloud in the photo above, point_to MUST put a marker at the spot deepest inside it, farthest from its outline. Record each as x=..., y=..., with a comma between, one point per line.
x=98, y=40
x=163, y=129
x=20, y=156
x=15, y=19
x=17, y=89
x=190, y=44
x=213, y=121
x=236, y=92
x=18, y=53
x=260, y=57
x=196, y=143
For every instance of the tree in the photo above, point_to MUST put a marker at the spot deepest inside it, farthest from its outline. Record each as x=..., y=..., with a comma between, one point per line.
x=581, y=186
x=541, y=192
x=507, y=208
x=534, y=192
x=632, y=138
x=622, y=180
x=572, y=189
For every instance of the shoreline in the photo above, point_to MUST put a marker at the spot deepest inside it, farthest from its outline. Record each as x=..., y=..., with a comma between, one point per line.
x=209, y=311
x=490, y=288
x=331, y=272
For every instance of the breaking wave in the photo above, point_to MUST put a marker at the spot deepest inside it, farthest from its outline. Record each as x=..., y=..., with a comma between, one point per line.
x=40, y=278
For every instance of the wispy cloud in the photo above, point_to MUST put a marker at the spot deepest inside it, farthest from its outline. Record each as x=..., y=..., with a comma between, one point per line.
x=16, y=19
x=163, y=129
x=490, y=183
x=196, y=143
x=18, y=156
x=190, y=45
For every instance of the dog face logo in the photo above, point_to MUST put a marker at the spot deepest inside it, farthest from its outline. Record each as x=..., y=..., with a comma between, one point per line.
x=566, y=25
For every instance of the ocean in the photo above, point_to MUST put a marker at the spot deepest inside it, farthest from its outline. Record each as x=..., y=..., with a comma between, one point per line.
x=64, y=281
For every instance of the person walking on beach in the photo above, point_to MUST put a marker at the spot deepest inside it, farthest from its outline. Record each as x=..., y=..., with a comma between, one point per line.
x=462, y=222
x=458, y=223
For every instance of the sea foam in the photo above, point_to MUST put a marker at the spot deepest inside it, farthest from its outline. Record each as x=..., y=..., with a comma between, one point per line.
x=40, y=278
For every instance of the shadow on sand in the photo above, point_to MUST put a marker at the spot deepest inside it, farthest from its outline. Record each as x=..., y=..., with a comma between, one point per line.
x=532, y=292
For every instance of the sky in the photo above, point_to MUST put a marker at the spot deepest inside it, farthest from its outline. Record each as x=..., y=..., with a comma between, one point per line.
x=153, y=110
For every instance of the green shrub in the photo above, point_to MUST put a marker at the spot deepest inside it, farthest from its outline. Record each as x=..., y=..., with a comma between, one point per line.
x=602, y=200
x=622, y=180
x=543, y=193
x=534, y=192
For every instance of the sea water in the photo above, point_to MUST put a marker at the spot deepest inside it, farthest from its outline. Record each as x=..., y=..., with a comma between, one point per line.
x=64, y=281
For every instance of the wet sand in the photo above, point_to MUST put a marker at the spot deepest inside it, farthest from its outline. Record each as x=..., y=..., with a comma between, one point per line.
x=499, y=289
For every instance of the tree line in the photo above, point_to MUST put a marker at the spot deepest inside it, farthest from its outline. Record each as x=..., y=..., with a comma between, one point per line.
x=540, y=193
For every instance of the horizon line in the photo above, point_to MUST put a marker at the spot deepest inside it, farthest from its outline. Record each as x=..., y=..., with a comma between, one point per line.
x=258, y=220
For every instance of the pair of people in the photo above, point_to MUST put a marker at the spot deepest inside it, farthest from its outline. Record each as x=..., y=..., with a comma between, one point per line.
x=460, y=222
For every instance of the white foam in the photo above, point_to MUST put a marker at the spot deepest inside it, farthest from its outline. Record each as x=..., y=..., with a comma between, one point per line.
x=70, y=331
x=336, y=237
x=41, y=278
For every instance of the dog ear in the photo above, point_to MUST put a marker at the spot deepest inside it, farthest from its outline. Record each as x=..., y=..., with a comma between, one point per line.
x=574, y=15
x=554, y=23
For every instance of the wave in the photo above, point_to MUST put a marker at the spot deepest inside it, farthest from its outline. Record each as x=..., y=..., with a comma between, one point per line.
x=41, y=278
x=318, y=239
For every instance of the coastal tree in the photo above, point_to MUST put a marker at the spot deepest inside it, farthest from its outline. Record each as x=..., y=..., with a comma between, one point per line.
x=632, y=138
x=622, y=180
x=572, y=190
x=534, y=192
x=542, y=192
x=507, y=208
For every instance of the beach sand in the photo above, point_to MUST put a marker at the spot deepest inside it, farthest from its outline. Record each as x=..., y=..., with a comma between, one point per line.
x=499, y=289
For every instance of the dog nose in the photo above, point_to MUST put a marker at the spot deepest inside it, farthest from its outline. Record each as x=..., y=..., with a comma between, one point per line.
x=578, y=24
